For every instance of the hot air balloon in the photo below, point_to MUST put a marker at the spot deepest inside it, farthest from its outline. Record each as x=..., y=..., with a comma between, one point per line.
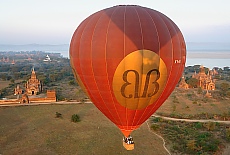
x=128, y=59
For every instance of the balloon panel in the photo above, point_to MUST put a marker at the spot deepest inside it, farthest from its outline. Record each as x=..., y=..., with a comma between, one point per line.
x=128, y=59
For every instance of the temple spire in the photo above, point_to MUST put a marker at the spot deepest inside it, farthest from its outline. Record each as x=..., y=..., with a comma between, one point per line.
x=33, y=74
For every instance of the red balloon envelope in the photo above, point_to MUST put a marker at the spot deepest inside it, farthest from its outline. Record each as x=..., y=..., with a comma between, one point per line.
x=128, y=59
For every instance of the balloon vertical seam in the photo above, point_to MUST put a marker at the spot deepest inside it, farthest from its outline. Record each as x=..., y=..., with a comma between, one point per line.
x=124, y=51
x=81, y=76
x=142, y=41
x=153, y=108
x=147, y=11
x=93, y=68
x=107, y=69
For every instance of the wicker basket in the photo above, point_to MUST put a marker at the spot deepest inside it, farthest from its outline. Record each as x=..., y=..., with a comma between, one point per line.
x=128, y=146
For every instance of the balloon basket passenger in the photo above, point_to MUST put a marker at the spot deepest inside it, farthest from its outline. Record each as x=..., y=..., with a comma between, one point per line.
x=128, y=143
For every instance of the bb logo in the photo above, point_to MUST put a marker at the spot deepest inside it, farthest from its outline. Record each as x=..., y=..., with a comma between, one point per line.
x=139, y=79
x=137, y=85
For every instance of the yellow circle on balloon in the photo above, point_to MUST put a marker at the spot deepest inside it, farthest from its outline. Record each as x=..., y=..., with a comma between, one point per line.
x=139, y=79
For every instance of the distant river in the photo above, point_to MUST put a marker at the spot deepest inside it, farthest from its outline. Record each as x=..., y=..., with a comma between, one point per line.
x=208, y=59
x=210, y=63
x=207, y=54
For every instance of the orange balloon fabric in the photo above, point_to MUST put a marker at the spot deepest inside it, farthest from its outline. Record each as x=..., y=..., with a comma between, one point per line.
x=128, y=59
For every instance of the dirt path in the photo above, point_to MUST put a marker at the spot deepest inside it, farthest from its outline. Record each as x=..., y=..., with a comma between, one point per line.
x=43, y=103
x=192, y=120
x=159, y=137
x=226, y=150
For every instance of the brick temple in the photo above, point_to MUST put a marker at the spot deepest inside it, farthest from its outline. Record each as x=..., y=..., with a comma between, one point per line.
x=29, y=93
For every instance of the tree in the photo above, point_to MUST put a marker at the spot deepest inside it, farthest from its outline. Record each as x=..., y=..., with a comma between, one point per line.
x=228, y=93
x=41, y=77
x=8, y=77
x=75, y=118
x=15, y=69
x=3, y=76
x=224, y=87
x=17, y=75
x=0, y=93
x=199, y=90
x=71, y=82
x=192, y=82
x=58, y=115
x=191, y=144
x=12, y=80
x=53, y=77
x=210, y=125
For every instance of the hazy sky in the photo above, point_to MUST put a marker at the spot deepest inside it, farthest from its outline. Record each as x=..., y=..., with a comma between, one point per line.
x=54, y=21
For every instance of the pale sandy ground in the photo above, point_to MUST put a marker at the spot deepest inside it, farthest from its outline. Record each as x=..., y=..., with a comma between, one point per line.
x=227, y=150
x=208, y=55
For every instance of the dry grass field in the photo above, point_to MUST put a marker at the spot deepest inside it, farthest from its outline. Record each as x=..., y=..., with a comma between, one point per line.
x=188, y=102
x=35, y=130
x=4, y=84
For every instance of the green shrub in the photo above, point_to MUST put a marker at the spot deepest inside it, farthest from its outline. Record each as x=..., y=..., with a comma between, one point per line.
x=204, y=136
x=189, y=95
x=191, y=144
x=194, y=102
x=227, y=133
x=211, y=145
x=156, y=119
x=75, y=118
x=174, y=107
x=210, y=126
x=58, y=115
x=155, y=127
x=205, y=100
x=71, y=82
x=198, y=125
x=175, y=100
x=199, y=90
x=228, y=93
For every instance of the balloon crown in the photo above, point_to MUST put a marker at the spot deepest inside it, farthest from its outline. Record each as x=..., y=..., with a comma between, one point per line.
x=127, y=5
